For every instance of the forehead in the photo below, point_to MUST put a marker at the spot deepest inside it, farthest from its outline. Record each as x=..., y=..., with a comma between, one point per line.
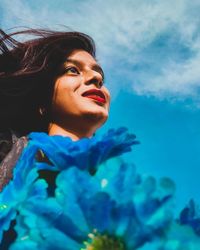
x=82, y=56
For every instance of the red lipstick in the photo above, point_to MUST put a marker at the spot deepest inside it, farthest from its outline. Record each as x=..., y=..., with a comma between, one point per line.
x=95, y=94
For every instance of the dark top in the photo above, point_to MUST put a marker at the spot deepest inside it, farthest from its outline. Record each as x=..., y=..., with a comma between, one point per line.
x=11, y=147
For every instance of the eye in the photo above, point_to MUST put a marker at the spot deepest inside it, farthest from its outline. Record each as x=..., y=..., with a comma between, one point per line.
x=71, y=70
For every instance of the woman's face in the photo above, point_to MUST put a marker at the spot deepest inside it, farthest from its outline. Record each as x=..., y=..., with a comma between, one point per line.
x=79, y=94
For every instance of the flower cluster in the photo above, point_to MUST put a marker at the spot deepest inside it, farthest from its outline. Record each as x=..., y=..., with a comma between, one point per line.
x=94, y=202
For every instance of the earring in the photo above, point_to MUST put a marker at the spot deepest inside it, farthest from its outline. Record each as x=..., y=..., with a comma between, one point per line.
x=42, y=111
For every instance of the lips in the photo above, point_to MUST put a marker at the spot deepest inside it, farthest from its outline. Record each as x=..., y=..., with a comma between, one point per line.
x=95, y=94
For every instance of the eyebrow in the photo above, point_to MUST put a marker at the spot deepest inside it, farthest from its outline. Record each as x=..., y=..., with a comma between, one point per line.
x=95, y=67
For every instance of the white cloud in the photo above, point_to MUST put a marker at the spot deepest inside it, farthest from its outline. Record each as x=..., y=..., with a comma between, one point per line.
x=156, y=43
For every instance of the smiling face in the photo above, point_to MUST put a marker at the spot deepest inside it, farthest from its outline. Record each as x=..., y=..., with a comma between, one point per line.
x=80, y=99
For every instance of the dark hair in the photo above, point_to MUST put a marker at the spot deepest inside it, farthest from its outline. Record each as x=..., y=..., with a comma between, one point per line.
x=28, y=71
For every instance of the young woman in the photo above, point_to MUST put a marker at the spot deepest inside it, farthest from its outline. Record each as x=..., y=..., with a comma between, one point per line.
x=51, y=83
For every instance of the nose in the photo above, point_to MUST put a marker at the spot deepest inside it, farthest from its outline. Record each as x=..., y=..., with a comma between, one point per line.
x=94, y=77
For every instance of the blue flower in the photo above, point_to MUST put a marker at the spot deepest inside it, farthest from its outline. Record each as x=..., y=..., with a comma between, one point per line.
x=190, y=215
x=85, y=153
x=180, y=237
x=114, y=208
x=20, y=189
x=96, y=201
x=63, y=153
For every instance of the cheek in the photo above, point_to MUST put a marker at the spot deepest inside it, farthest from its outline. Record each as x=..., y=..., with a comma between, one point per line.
x=60, y=95
x=64, y=87
x=66, y=99
x=68, y=83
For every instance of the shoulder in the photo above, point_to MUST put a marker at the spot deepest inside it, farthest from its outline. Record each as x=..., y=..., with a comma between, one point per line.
x=6, y=142
x=11, y=148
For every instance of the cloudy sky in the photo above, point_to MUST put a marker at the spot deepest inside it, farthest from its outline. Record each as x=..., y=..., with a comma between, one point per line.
x=150, y=51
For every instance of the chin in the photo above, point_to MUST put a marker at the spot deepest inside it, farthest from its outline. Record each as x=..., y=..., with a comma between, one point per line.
x=98, y=116
x=94, y=108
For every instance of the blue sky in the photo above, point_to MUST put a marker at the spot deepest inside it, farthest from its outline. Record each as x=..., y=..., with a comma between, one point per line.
x=150, y=51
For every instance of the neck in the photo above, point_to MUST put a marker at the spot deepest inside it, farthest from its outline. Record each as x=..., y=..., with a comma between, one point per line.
x=55, y=129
